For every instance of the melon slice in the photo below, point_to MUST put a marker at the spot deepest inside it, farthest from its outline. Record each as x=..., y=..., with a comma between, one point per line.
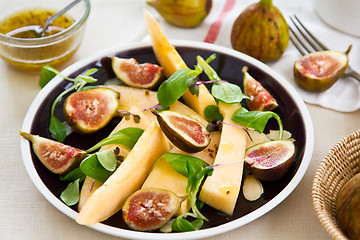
x=128, y=178
x=90, y=185
x=164, y=176
x=171, y=61
x=221, y=189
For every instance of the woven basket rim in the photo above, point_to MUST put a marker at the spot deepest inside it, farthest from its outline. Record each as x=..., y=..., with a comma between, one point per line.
x=333, y=172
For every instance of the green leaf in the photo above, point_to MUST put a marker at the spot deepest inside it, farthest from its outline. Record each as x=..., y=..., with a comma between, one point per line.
x=222, y=91
x=57, y=128
x=212, y=112
x=182, y=163
x=175, y=86
x=227, y=92
x=46, y=75
x=91, y=167
x=70, y=196
x=73, y=175
x=107, y=159
x=209, y=71
x=126, y=137
x=196, y=170
x=182, y=225
x=256, y=119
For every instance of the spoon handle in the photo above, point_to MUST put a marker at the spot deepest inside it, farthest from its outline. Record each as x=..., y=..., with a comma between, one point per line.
x=55, y=16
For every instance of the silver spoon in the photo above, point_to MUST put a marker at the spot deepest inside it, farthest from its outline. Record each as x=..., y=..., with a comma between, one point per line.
x=41, y=31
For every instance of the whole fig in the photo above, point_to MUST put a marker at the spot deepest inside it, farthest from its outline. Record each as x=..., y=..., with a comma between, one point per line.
x=185, y=13
x=348, y=208
x=261, y=32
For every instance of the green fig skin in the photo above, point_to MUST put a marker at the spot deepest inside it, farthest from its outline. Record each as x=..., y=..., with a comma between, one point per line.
x=348, y=208
x=185, y=14
x=310, y=80
x=261, y=32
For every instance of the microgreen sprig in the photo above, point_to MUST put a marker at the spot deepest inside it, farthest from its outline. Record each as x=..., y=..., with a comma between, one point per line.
x=56, y=127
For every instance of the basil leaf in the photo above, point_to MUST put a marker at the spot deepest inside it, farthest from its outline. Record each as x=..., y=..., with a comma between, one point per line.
x=227, y=92
x=73, y=175
x=256, y=120
x=175, y=86
x=212, y=112
x=91, y=167
x=127, y=137
x=107, y=159
x=46, y=75
x=57, y=128
x=70, y=196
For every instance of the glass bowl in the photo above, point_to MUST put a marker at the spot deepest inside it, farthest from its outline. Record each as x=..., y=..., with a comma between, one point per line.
x=31, y=54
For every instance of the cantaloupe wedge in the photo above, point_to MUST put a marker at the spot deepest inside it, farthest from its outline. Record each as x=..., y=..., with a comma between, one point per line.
x=221, y=189
x=171, y=61
x=90, y=185
x=128, y=177
x=164, y=176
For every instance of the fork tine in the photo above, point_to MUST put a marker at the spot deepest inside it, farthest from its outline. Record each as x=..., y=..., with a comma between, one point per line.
x=312, y=40
x=297, y=42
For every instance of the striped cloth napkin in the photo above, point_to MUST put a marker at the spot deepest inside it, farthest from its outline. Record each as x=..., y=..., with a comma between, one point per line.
x=344, y=96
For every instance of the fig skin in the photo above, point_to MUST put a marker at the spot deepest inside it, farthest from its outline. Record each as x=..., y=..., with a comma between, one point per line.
x=90, y=110
x=261, y=99
x=278, y=158
x=185, y=13
x=150, y=208
x=133, y=74
x=348, y=207
x=261, y=32
x=333, y=64
x=57, y=157
x=179, y=134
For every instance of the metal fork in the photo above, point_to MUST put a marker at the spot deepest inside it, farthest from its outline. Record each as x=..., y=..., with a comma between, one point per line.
x=312, y=42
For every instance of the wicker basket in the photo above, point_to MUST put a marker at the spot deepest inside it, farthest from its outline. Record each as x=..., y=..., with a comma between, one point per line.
x=338, y=166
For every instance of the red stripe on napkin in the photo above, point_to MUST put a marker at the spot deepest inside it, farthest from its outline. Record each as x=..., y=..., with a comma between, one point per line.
x=214, y=30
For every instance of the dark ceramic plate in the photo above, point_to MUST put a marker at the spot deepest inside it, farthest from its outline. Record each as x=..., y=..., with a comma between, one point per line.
x=228, y=64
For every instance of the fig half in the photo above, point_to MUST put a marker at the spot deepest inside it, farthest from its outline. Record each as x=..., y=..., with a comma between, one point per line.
x=270, y=160
x=348, y=207
x=57, y=157
x=260, y=98
x=150, y=208
x=318, y=71
x=133, y=74
x=183, y=131
x=90, y=110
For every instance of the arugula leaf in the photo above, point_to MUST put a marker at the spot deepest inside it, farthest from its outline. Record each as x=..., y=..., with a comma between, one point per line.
x=73, y=175
x=57, y=128
x=70, y=196
x=91, y=167
x=46, y=75
x=256, y=119
x=221, y=90
x=176, y=85
x=182, y=225
x=127, y=137
x=107, y=159
x=212, y=112
x=193, y=168
x=227, y=92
